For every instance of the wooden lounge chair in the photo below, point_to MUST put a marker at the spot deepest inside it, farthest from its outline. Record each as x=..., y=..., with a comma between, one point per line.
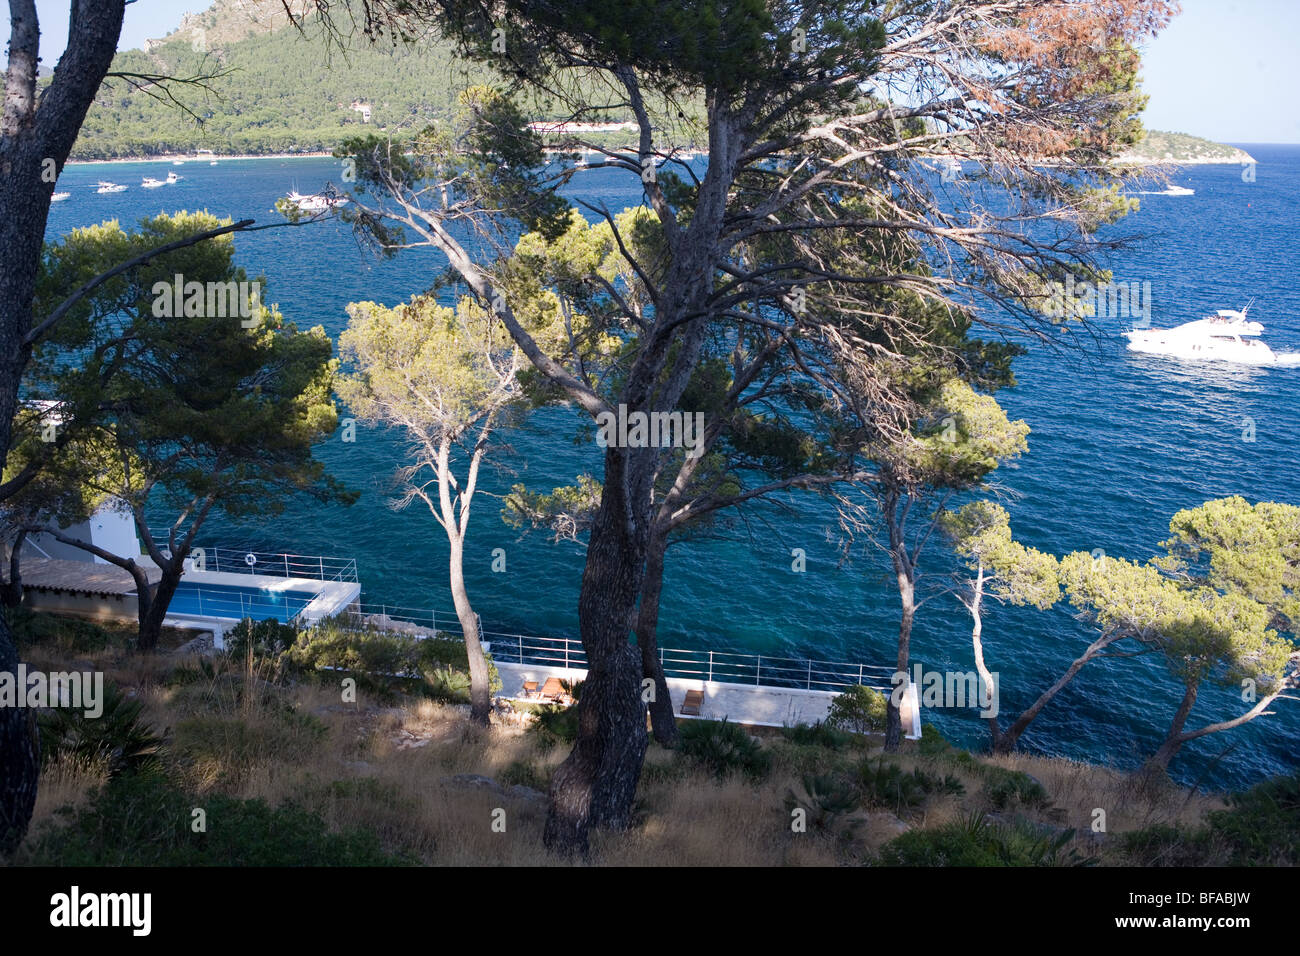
x=530, y=688
x=693, y=702
x=553, y=689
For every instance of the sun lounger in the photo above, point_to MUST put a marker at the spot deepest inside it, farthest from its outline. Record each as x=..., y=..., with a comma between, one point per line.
x=693, y=702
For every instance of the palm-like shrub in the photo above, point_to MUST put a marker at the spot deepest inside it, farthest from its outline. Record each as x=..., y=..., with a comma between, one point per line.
x=723, y=748
x=116, y=741
x=828, y=802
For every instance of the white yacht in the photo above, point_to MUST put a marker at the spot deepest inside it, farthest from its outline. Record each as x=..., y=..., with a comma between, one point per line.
x=172, y=178
x=1169, y=191
x=151, y=183
x=1226, y=336
x=59, y=197
x=107, y=187
x=319, y=202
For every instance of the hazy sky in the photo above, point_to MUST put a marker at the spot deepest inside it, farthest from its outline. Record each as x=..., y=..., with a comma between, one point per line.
x=1224, y=69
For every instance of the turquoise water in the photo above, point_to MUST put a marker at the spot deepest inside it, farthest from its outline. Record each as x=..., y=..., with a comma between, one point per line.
x=238, y=601
x=1119, y=443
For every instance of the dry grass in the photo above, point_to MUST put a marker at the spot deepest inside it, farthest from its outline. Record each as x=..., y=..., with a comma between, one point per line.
x=390, y=770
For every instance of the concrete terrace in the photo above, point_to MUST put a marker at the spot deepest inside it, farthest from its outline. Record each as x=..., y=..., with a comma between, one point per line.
x=751, y=704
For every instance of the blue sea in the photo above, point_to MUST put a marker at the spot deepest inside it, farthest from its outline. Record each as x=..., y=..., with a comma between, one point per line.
x=1119, y=443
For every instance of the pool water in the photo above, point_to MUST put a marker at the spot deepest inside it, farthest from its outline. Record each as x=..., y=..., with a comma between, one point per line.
x=238, y=601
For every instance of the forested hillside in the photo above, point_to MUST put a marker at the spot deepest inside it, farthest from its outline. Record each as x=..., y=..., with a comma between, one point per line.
x=275, y=92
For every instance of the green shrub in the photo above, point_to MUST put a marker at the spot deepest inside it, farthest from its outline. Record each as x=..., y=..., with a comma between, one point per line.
x=1262, y=825
x=263, y=639
x=185, y=675
x=932, y=743
x=440, y=663
x=524, y=773
x=860, y=710
x=723, y=748
x=70, y=635
x=828, y=803
x=1007, y=789
x=974, y=842
x=888, y=785
x=819, y=734
x=116, y=741
x=1164, y=845
x=144, y=820
x=555, y=723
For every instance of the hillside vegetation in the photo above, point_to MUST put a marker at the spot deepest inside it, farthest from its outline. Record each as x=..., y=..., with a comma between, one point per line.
x=287, y=773
x=270, y=88
x=274, y=89
x=1184, y=150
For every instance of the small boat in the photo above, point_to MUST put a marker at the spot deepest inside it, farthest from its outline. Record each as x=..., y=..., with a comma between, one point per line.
x=173, y=178
x=59, y=197
x=1171, y=191
x=213, y=163
x=319, y=202
x=107, y=187
x=1226, y=336
x=178, y=162
x=151, y=183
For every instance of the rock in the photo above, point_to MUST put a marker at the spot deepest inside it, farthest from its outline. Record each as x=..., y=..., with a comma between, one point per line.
x=888, y=824
x=474, y=781
x=202, y=645
x=520, y=792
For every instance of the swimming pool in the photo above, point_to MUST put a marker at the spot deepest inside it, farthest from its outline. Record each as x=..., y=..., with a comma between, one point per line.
x=238, y=601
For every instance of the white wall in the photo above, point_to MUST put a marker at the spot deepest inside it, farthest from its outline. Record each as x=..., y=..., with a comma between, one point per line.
x=110, y=528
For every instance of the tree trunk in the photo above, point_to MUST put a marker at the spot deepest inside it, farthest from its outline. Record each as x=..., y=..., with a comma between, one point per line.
x=1174, y=740
x=480, y=695
x=894, y=717
x=662, y=719
x=154, y=611
x=1006, y=743
x=977, y=644
x=19, y=757
x=28, y=139
x=13, y=589
x=597, y=782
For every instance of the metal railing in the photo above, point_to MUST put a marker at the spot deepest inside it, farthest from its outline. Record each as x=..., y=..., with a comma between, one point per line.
x=278, y=564
x=233, y=605
x=761, y=670
x=274, y=563
x=723, y=666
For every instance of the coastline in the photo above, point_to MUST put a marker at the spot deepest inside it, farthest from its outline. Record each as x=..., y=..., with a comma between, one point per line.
x=206, y=158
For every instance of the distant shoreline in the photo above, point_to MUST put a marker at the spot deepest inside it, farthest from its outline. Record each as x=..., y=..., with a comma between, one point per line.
x=1240, y=157
x=206, y=158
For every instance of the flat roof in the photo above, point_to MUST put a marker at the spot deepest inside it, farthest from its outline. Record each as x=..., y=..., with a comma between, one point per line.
x=84, y=577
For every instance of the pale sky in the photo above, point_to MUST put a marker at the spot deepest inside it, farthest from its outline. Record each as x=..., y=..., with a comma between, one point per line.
x=1227, y=70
